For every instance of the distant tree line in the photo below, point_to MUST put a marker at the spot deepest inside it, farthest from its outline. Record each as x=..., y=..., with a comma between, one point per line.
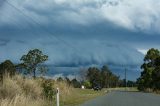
x=94, y=76
x=150, y=76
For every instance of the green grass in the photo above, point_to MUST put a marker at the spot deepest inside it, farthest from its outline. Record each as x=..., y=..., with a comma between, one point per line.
x=79, y=96
x=124, y=89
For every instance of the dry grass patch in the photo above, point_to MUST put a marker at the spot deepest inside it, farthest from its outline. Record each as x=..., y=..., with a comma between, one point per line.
x=19, y=91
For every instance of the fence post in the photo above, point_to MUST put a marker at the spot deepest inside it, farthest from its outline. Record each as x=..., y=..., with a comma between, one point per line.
x=57, y=97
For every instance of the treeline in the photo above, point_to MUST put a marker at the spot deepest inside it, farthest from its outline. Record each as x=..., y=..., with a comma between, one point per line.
x=105, y=78
x=94, y=76
x=150, y=76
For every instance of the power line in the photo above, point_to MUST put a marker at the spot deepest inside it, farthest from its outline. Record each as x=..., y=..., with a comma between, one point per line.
x=44, y=28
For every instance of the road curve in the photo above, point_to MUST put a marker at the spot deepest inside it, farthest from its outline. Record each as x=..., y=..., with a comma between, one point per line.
x=122, y=98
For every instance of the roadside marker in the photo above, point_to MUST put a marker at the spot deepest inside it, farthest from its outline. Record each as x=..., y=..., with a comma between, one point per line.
x=57, y=97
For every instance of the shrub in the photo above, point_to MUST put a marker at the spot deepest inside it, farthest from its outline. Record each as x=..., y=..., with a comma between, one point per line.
x=87, y=84
x=48, y=89
x=7, y=67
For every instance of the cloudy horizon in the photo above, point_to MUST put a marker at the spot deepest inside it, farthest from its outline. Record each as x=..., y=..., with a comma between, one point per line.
x=80, y=32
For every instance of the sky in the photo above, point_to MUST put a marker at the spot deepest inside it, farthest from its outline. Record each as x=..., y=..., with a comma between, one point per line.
x=75, y=33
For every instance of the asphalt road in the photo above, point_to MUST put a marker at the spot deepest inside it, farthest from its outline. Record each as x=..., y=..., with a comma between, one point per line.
x=122, y=98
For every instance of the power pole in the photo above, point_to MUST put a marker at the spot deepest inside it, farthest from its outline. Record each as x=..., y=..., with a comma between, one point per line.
x=125, y=78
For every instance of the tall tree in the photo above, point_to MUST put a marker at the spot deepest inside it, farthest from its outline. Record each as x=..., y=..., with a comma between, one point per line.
x=156, y=75
x=106, y=74
x=94, y=76
x=150, y=68
x=32, y=60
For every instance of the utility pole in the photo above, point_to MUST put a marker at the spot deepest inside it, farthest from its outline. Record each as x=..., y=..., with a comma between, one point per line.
x=125, y=79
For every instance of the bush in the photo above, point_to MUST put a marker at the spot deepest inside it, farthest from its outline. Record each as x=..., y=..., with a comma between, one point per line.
x=75, y=83
x=7, y=67
x=87, y=84
x=48, y=90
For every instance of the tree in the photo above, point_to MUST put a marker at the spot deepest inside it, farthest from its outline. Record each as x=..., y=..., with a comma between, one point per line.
x=150, y=74
x=20, y=67
x=156, y=75
x=103, y=78
x=106, y=74
x=59, y=79
x=42, y=69
x=33, y=60
x=75, y=83
x=7, y=67
x=68, y=81
x=131, y=83
x=94, y=76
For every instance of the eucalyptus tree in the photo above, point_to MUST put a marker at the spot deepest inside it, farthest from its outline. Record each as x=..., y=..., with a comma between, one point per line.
x=33, y=60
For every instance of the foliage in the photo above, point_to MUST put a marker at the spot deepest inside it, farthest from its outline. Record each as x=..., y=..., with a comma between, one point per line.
x=150, y=76
x=131, y=84
x=42, y=69
x=7, y=67
x=94, y=76
x=48, y=89
x=104, y=77
x=75, y=83
x=33, y=60
x=59, y=79
x=87, y=84
x=68, y=80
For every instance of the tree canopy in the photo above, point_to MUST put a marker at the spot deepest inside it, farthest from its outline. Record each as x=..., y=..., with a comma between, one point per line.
x=32, y=60
x=150, y=76
x=102, y=77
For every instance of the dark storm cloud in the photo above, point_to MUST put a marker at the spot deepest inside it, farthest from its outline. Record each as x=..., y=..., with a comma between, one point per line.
x=103, y=31
x=2, y=3
x=4, y=42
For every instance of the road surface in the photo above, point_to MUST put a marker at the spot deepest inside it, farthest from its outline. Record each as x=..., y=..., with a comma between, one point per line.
x=122, y=98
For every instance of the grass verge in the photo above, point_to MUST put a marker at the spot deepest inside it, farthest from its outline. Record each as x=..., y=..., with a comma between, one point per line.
x=79, y=96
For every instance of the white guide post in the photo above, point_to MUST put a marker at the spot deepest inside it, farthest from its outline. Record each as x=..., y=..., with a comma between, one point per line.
x=57, y=97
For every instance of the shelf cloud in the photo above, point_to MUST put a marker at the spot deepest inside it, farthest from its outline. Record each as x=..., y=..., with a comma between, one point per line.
x=103, y=31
